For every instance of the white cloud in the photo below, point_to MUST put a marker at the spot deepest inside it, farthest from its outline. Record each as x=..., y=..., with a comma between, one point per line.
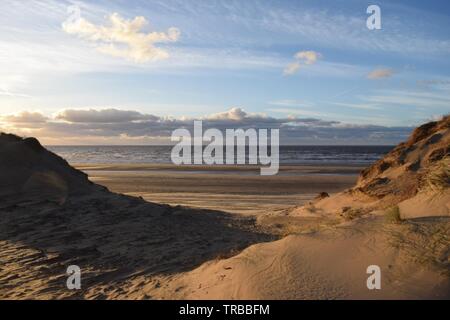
x=13, y=94
x=235, y=114
x=292, y=68
x=123, y=38
x=335, y=29
x=303, y=58
x=308, y=57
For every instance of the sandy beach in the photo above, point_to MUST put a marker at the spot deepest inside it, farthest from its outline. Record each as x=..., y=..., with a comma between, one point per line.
x=236, y=189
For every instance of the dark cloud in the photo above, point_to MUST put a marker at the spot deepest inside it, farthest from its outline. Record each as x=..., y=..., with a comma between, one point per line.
x=103, y=116
x=25, y=118
x=112, y=123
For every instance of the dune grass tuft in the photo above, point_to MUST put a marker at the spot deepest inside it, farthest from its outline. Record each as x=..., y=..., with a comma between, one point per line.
x=393, y=215
x=438, y=176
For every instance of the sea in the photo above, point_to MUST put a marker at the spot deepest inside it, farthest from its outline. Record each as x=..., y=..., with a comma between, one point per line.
x=356, y=155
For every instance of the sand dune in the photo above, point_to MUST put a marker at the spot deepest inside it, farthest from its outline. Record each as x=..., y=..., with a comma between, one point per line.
x=52, y=216
x=396, y=217
x=412, y=179
x=368, y=227
x=330, y=264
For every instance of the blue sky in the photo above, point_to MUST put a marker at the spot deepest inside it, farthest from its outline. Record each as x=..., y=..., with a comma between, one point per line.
x=213, y=57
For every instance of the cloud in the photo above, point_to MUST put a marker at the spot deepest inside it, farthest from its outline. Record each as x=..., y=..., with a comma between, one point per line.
x=23, y=121
x=415, y=99
x=308, y=57
x=292, y=68
x=303, y=58
x=102, y=116
x=25, y=117
x=363, y=106
x=6, y=93
x=234, y=114
x=123, y=38
x=112, y=126
x=290, y=103
x=380, y=73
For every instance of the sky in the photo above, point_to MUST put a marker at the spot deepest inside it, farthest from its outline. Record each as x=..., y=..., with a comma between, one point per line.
x=130, y=72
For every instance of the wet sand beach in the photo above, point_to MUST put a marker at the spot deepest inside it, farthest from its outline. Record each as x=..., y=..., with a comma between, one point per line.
x=236, y=189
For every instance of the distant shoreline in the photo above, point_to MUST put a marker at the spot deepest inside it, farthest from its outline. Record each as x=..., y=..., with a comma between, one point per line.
x=285, y=169
x=289, y=155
